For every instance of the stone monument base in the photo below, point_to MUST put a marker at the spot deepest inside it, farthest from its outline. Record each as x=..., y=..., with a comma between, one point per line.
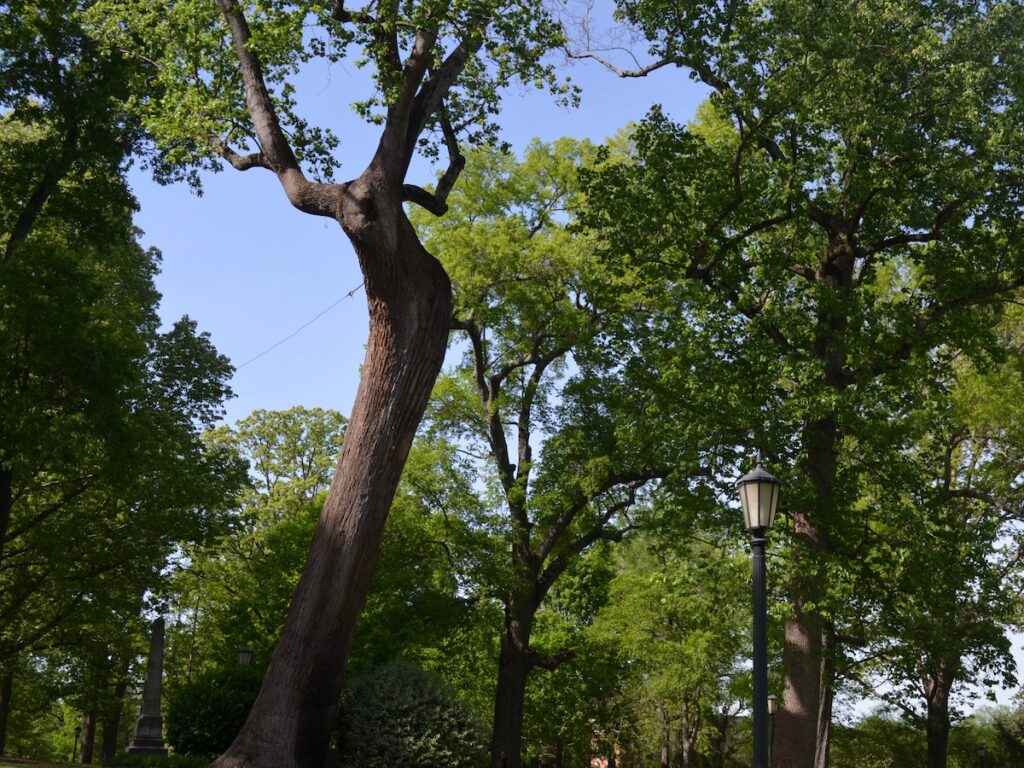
x=147, y=747
x=148, y=736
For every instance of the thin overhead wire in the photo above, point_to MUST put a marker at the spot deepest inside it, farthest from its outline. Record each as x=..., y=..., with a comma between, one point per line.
x=301, y=328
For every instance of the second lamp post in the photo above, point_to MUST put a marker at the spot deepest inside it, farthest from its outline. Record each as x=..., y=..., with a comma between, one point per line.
x=759, y=495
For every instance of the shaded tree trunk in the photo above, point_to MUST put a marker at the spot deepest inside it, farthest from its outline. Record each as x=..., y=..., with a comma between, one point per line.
x=666, y=740
x=826, y=696
x=6, y=689
x=88, y=737
x=804, y=724
x=6, y=507
x=410, y=306
x=937, y=685
x=514, y=665
x=689, y=728
x=111, y=725
x=796, y=721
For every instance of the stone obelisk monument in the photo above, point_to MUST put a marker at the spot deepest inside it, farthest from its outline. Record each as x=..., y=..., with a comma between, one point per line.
x=149, y=728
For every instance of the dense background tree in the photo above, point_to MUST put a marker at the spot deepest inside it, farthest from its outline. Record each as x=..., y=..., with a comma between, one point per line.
x=678, y=623
x=948, y=553
x=562, y=444
x=101, y=469
x=857, y=209
x=101, y=457
x=235, y=590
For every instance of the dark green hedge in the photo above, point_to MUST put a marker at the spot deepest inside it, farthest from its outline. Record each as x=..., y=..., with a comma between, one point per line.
x=398, y=716
x=204, y=716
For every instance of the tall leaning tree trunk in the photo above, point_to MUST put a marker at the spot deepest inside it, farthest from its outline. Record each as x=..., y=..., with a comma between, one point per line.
x=514, y=665
x=410, y=306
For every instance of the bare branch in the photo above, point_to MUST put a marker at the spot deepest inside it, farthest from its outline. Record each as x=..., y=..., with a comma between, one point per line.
x=639, y=72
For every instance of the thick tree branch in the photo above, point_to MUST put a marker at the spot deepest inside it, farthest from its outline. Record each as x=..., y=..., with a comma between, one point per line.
x=47, y=185
x=437, y=202
x=431, y=96
x=919, y=338
x=238, y=161
x=942, y=218
x=598, y=531
x=550, y=662
x=307, y=196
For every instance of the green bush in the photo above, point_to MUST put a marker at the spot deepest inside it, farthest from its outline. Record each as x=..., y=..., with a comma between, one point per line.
x=204, y=716
x=398, y=716
x=155, y=761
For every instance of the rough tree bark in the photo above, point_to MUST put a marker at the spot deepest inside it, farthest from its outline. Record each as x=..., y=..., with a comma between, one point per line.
x=513, y=669
x=410, y=307
x=937, y=685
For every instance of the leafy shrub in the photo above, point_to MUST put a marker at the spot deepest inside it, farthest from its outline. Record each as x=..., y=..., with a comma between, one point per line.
x=204, y=716
x=398, y=716
x=156, y=761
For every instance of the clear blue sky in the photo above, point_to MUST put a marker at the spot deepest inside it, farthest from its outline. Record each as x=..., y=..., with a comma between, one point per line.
x=251, y=270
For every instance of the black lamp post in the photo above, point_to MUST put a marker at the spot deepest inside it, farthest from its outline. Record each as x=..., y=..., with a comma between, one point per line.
x=773, y=707
x=244, y=655
x=982, y=754
x=74, y=749
x=759, y=494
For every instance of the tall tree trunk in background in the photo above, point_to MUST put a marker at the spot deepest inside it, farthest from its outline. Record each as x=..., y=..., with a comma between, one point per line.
x=803, y=725
x=797, y=719
x=826, y=697
x=689, y=728
x=6, y=507
x=111, y=725
x=6, y=689
x=937, y=685
x=666, y=740
x=514, y=665
x=88, y=737
x=410, y=306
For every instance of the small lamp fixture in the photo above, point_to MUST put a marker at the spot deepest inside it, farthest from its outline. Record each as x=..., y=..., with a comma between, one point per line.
x=244, y=655
x=982, y=753
x=773, y=705
x=759, y=494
